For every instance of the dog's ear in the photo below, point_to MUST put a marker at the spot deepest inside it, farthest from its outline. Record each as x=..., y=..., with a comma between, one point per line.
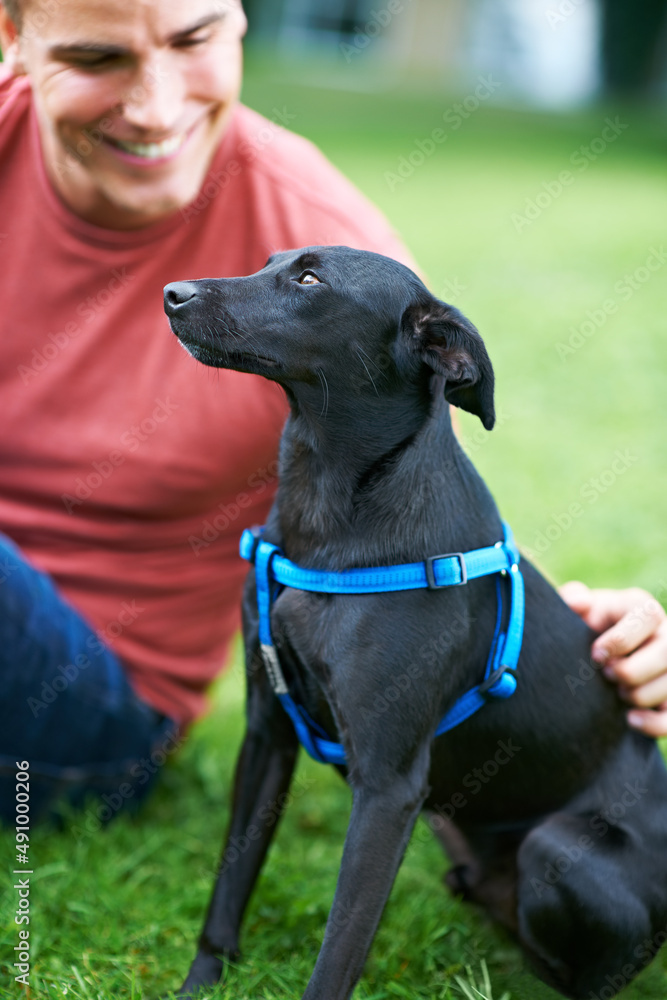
x=449, y=344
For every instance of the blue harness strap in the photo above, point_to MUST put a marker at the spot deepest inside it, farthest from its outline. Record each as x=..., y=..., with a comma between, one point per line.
x=273, y=570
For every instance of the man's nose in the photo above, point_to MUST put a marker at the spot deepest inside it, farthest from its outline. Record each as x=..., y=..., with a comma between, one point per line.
x=154, y=101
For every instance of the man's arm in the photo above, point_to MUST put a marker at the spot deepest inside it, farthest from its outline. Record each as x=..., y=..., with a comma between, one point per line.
x=632, y=647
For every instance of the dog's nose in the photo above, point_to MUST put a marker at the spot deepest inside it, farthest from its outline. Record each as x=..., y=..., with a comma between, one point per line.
x=177, y=294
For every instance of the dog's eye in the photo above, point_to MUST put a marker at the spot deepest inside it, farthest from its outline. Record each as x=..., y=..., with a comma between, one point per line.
x=308, y=278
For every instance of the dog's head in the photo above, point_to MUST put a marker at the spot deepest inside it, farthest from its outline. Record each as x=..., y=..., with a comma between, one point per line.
x=354, y=321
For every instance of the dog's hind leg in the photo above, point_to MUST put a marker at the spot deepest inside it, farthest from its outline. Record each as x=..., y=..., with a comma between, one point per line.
x=484, y=874
x=466, y=869
x=263, y=776
x=592, y=890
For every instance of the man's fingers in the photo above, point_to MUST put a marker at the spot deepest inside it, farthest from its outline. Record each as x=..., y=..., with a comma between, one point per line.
x=651, y=695
x=651, y=722
x=601, y=608
x=646, y=664
x=632, y=646
x=577, y=595
x=641, y=616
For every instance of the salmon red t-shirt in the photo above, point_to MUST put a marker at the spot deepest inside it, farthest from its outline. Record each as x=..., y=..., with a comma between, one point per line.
x=127, y=469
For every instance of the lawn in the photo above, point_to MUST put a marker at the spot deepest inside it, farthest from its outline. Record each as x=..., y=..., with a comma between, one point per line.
x=573, y=316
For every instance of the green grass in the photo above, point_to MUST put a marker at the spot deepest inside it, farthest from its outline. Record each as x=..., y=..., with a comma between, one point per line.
x=116, y=914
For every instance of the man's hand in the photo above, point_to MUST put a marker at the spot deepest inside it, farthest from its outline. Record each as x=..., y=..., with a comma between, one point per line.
x=632, y=647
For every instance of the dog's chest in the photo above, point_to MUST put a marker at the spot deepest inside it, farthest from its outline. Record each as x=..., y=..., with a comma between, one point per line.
x=350, y=649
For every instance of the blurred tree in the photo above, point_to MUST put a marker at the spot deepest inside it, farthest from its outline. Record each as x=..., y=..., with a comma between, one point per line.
x=337, y=21
x=633, y=43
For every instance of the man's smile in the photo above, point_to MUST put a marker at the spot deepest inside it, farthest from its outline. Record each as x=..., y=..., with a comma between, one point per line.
x=151, y=150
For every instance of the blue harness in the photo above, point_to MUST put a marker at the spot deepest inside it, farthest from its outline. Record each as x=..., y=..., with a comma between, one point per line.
x=273, y=571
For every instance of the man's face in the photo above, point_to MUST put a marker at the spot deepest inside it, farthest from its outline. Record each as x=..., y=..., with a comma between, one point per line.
x=132, y=98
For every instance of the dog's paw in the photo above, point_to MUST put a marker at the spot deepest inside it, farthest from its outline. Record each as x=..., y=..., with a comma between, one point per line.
x=205, y=971
x=460, y=880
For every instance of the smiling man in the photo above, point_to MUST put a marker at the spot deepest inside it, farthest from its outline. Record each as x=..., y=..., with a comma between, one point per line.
x=131, y=106
x=129, y=471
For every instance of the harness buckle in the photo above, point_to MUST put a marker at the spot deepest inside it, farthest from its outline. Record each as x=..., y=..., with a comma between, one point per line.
x=493, y=679
x=431, y=582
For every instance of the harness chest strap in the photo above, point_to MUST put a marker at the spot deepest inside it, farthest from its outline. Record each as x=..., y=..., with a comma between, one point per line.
x=272, y=569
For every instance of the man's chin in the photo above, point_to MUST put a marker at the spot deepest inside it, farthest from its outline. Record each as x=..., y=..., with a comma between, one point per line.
x=141, y=205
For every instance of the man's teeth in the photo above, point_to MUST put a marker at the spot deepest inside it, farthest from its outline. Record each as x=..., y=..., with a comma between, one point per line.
x=153, y=150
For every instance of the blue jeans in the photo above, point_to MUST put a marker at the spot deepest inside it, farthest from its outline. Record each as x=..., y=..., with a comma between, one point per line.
x=66, y=706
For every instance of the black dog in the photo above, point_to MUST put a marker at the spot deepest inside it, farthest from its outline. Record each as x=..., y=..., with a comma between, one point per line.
x=566, y=845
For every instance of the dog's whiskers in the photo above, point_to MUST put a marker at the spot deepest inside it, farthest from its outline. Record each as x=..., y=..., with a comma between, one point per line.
x=368, y=372
x=213, y=335
x=241, y=336
x=374, y=363
x=233, y=332
x=325, y=391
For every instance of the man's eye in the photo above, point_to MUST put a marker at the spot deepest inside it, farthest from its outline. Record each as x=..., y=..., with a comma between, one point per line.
x=101, y=61
x=192, y=40
x=308, y=278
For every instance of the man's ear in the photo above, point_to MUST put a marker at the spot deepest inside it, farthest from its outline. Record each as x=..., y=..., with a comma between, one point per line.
x=449, y=344
x=10, y=44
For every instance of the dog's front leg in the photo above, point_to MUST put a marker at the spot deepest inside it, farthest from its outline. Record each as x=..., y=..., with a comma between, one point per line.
x=383, y=815
x=263, y=774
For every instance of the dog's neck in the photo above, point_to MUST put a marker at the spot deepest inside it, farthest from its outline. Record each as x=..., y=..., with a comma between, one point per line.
x=377, y=491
